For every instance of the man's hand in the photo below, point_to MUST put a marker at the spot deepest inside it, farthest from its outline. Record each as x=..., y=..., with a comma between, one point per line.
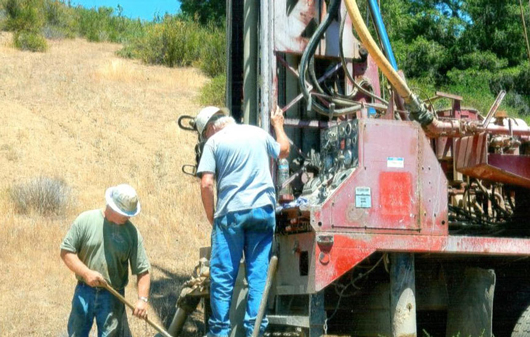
x=140, y=310
x=91, y=277
x=143, y=282
x=277, y=117
x=277, y=123
x=94, y=279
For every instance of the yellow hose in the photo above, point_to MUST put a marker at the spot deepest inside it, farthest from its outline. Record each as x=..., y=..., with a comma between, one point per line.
x=378, y=56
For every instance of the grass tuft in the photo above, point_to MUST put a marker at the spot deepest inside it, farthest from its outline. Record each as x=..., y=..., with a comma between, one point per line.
x=43, y=195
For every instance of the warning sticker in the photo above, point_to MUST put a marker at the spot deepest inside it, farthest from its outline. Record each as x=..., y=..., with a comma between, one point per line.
x=363, y=197
x=396, y=162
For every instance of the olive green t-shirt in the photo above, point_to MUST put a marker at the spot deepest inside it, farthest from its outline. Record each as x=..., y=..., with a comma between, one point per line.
x=106, y=247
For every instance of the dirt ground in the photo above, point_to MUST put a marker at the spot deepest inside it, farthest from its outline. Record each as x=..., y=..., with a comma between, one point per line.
x=82, y=114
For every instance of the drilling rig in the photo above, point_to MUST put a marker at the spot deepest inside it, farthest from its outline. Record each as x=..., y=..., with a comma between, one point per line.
x=397, y=218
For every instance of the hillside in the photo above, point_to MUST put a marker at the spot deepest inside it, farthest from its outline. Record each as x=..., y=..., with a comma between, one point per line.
x=82, y=114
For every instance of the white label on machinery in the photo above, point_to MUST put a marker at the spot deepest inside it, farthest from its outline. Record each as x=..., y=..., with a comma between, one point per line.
x=396, y=162
x=363, y=197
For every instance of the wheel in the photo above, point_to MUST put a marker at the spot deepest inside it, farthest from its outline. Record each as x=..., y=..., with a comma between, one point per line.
x=522, y=327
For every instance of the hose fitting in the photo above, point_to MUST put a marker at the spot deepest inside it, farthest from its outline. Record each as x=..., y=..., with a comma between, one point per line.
x=418, y=110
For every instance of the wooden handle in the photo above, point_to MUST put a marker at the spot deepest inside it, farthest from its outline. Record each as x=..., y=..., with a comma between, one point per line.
x=273, y=265
x=129, y=304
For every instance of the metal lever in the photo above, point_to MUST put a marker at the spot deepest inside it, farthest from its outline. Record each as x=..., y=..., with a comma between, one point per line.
x=190, y=120
x=494, y=108
x=189, y=169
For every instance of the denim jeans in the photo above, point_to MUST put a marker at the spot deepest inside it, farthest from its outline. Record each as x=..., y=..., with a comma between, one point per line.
x=89, y=303
x=249, y=231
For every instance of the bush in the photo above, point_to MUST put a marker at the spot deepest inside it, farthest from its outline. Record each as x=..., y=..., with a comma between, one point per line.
x=93, y=24
x=30, y=41
x=483, y=61
x=26, y=19
x=520, y=103
x=46, y=196
x=60, y=20
x=176, y=42
x=214, y=92
x=24, y=15
x=173, y=42
x=213, y=52
x=504, y=79
x=3, y=19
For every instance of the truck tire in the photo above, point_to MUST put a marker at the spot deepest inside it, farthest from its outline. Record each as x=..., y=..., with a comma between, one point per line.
x=522, y=327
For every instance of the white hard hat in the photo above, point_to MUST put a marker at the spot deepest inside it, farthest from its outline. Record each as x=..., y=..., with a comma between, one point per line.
x=205, y=114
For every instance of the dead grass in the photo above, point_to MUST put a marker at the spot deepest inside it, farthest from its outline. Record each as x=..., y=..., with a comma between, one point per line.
x=82, y=114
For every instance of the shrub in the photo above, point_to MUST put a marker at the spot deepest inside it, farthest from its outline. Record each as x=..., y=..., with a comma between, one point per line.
x=104, y=25
x=3, y=19
x=176, y=42
x=30, y=41
x=44, y=195
x=485, y=60
x=520, y=103
x=504, y=79
x=213, y=52
x=92, y=23
x=214, y=92
x=173, y=42
x=26, y=19
x=24, y=15
x=60, y=20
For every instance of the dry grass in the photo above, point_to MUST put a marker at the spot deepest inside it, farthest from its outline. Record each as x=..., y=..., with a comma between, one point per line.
x=82, y=114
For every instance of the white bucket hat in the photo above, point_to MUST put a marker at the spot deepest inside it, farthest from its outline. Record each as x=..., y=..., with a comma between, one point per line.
x=123, y=200
x=205, y=114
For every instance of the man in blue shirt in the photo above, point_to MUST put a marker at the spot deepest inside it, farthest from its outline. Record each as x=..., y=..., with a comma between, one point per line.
x=237, y=156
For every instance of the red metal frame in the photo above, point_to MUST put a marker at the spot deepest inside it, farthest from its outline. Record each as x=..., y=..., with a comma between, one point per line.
x=349, y=249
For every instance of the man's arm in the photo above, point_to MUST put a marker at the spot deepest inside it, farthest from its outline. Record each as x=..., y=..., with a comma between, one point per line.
x=143, y=282
x=207, y=195
x=91, y=277
x=281, y=137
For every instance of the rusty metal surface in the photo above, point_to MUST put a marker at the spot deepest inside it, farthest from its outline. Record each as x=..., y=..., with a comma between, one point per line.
x=472, y=159
x=349, y=249
x=402, y=182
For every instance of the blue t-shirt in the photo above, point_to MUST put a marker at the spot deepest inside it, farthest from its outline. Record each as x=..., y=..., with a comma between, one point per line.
x=238, y=156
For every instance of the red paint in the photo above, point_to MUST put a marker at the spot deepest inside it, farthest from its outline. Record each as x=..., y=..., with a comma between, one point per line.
x=350, y=249
x=395, y=194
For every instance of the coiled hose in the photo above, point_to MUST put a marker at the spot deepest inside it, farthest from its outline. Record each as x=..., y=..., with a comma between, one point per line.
x=418, y=111
x=308, y=54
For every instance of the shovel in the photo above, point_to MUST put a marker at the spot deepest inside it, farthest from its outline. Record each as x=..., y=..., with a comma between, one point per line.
x=163, y=332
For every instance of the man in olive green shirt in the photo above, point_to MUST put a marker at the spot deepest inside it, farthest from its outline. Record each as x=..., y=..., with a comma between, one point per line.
x=98, y=248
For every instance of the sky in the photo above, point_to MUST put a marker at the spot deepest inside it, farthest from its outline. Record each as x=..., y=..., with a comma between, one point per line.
x=143, y=9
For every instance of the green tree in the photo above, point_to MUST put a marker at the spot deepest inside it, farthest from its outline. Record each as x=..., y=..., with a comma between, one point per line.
x=496, y=27
x=204, y=10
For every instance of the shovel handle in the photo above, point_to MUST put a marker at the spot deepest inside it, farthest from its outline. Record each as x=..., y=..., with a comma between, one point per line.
x=129, y=304
x=273, y=265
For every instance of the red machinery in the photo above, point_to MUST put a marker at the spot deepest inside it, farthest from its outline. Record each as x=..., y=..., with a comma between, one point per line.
x=407, y=218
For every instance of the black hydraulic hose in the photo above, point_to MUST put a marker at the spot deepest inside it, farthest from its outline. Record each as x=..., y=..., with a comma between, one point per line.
x=314, y=79
x=347, y=72
x=312, y=45
x=309, y=52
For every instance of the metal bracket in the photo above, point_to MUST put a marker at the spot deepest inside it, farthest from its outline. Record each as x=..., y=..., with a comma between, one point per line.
x=189, y=120
x=325, y=242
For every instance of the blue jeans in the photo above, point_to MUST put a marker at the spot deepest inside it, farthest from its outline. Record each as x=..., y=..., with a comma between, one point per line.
x=249, y=231
x=89, y=303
